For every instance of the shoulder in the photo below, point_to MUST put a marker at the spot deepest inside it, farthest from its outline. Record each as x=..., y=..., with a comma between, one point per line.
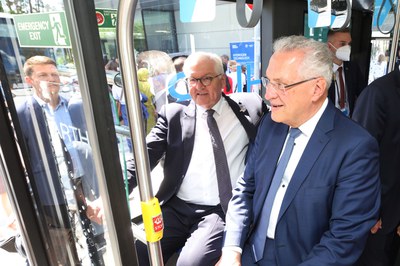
x=352, y=66
x=247, y=98
x=25, y=105
x=172, y=109
x=385, y=85
x=346, y=132
x=250, y=102
x=74, y=101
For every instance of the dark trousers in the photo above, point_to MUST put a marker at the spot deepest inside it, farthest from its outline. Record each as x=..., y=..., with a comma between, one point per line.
x=269, y=258
x=381, y=250
x=195, y=231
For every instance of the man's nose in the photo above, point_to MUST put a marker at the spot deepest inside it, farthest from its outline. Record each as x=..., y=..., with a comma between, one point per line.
x=270, y=93
x=199, y=85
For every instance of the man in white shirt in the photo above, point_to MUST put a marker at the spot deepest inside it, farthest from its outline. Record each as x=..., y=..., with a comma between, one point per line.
x=318, y=207
x=347, y=79
x=190, y=194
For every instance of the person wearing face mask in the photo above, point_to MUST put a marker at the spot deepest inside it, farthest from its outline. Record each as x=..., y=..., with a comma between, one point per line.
x=347, y=81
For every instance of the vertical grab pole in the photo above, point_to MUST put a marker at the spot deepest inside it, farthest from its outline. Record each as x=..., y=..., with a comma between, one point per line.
x=126, y=12
x=395, y=40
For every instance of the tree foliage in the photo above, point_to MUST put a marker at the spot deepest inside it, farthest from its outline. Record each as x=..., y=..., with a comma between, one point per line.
x=23, y=6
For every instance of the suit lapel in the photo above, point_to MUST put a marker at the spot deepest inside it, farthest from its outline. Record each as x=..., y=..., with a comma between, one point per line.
x=35, y=111
x=188, y=121
x=316, y=144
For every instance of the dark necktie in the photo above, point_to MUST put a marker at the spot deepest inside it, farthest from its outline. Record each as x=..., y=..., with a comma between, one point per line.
x=341, y=88
x=260, y=233
x=221, y=163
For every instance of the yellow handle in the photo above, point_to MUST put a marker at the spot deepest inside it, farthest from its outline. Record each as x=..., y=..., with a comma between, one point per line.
x=152, y=219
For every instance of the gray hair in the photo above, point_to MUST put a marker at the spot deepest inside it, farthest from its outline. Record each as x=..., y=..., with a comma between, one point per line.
x=195, y=57
x=317, y=61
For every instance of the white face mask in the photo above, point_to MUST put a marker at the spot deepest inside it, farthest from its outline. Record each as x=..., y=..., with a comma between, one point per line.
x=343, y=53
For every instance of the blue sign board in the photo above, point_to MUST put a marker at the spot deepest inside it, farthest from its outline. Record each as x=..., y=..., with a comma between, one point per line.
x=243, y=53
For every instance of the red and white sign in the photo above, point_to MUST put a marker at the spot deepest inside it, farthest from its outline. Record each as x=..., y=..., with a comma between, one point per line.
x=158, y=223
x=100, y=18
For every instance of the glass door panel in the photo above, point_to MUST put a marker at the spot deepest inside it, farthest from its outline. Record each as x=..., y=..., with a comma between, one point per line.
x=54, y=131
x=63, y=121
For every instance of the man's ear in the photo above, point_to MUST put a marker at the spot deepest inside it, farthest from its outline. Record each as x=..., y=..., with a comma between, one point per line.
x=320, y=89
x=29, y=80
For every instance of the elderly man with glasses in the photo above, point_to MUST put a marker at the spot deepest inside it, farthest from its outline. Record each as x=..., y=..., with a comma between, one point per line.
x=204, y=143
x=310, y=192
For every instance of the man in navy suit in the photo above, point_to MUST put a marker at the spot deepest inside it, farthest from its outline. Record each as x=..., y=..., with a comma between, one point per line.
x=327, y=198
x=377, y=109
x=51, y=126
x=339, y=42
x=193, y=217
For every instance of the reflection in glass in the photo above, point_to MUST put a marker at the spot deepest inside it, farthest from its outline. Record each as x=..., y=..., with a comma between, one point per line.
x=63, y=177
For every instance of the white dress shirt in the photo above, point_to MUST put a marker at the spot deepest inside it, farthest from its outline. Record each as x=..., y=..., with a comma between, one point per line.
x=300, y=144
x=200, y=184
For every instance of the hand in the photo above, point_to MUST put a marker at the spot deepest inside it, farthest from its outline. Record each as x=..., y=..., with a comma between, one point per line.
x=95, y=211
x=398, y=230
x=376, y=227
x=229, y=258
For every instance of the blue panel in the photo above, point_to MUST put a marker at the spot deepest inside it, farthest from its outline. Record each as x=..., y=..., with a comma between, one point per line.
x=187, y=10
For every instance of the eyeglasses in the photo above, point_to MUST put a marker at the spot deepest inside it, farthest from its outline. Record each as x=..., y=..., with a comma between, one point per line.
x=206, y=81
x=279, y=87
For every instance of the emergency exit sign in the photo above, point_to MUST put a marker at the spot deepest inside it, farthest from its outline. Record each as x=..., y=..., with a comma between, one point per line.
x=106, y=18
x=42, y=30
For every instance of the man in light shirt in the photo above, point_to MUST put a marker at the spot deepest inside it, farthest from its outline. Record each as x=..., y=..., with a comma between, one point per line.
x=327, y=197
x=55, y=136
x=347, y=79
x=193, y=213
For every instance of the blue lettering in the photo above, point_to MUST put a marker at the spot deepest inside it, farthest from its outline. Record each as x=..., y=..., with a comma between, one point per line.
x=172, y=85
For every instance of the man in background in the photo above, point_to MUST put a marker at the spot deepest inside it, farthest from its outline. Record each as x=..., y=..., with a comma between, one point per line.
x=347, y=82
x=377, y=109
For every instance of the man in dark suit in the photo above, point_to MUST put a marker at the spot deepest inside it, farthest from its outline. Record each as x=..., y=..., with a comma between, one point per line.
x=319, y=209
x=59, y=156
x=348, y=81
x=194, y=219
x=377, y=109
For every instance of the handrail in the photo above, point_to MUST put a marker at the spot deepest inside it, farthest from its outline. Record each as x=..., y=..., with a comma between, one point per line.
x=125, y=29
x=255, y=14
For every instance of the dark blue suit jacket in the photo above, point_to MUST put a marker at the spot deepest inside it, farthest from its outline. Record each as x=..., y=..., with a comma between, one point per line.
x=35, y=133
x=332, y=200
x=377, y=109
x=173, y=138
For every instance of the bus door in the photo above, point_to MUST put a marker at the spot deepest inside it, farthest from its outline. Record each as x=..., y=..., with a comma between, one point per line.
x=61, y=139
x=55, y=167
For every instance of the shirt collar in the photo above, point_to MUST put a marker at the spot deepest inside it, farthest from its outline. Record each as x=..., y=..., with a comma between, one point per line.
x=308, y=127
x=335, y=67
x=63, y=102
x=40, y=101
x=217, y=107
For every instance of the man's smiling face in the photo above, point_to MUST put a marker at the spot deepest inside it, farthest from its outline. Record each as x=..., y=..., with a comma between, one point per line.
x=205, y=96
